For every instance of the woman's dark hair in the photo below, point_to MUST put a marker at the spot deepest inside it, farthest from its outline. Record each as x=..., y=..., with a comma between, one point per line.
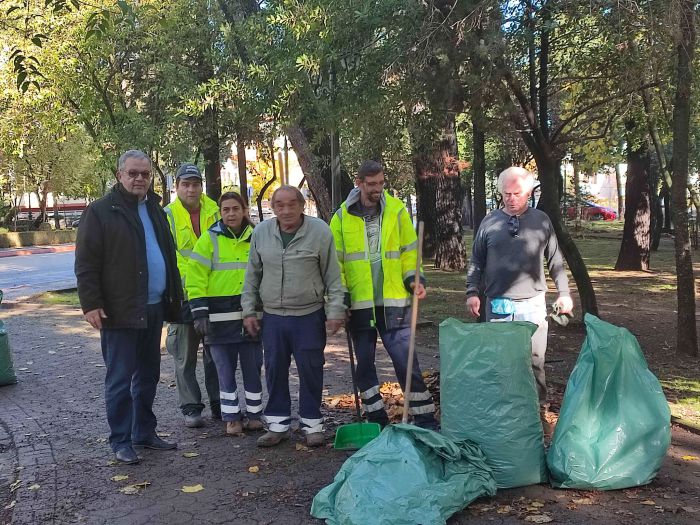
x=240, y=200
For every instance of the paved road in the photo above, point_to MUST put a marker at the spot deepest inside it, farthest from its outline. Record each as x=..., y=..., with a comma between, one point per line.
x=32, y=274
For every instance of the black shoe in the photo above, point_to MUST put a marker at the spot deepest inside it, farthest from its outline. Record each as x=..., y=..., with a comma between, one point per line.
x=155, y=443
x=216, y=412
x=127, y=456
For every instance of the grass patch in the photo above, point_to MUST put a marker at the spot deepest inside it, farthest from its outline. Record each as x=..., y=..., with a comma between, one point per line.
x=67, y=298
x=683, y=396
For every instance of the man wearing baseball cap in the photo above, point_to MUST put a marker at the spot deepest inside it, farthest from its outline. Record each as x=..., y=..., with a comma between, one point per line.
x=190, y=215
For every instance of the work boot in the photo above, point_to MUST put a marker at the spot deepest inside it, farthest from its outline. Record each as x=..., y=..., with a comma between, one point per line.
x=254, y=425
x=315, y=439
x=234, y=428
x=270, y=438
x=548, y=423
x=194, y=420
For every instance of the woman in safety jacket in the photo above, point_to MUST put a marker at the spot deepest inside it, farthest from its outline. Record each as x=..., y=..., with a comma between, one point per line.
x=215, y=274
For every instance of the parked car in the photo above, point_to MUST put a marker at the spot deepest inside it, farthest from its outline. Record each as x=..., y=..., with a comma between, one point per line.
x=592, y=211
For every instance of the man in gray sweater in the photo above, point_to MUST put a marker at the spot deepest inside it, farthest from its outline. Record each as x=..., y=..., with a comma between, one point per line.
x=506, y=264
x=293, y=272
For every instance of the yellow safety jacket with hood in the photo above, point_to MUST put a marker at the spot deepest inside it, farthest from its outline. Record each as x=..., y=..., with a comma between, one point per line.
x=399, y=246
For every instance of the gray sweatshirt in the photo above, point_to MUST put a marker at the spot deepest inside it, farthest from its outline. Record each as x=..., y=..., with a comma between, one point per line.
x=296, y=280
x=506, y=265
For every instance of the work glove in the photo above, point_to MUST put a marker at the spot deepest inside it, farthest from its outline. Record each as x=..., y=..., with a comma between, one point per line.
x=202, y=326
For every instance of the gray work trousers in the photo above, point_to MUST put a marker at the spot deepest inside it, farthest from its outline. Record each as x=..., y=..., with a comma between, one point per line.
x=535, y=311
x=182, y=343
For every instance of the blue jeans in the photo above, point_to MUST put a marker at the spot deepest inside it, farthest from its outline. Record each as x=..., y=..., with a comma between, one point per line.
x=226, y=358
x=132, y=358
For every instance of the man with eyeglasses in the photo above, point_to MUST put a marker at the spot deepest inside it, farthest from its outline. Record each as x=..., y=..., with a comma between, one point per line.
x=377, y=250
x=190, y=215
x=506, y=264
x=128, y=284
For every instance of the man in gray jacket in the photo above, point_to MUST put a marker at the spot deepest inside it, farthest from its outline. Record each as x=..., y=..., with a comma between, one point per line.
x=293, y=272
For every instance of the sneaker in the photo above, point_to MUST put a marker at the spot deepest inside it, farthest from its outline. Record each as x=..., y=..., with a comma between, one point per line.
x=254, y=425
x=194, y=420
x=315, y=439
x=234, y=428
x=270, y=438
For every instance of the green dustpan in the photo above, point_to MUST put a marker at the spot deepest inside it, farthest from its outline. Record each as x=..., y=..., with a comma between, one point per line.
x=354, y=436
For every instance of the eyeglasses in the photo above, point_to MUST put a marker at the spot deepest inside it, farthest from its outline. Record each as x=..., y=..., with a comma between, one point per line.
x=133, y=174
x=513, y=225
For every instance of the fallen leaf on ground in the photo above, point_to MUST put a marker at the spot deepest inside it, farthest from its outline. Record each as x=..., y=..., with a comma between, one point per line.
x=14, y=486
x=190, y=454
x=536, y=504
x=10, y=505
x=504, y=509
x=23, y=369
x=192, y=488
x=690, y=509
x=119, y=477
x=299, y=446
x=689, y=458
x=582, y=501
x=36, y=486
x=253, y=469
x=648, y=502
x=163, y=434
x=134, y=489
x=539, y=518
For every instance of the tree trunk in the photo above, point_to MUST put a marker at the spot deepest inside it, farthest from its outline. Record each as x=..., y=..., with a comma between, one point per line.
x=687, y=336
x=636, y=236
x=577, y=197
x=618, y=185
x=242, y=166
x=478, y=167
x=549, y=173
x=211, y=147
x=310, y=166
x=267, y=184
x=438, y=188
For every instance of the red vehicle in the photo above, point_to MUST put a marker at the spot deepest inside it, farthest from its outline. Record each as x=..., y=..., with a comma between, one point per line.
x=592, y=212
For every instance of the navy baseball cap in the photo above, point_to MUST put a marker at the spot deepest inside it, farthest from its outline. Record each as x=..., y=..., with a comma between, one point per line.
x=188, y=171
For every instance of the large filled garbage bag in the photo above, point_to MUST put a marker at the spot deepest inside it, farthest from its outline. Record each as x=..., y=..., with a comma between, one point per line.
x=7, y=371
x=488, y=395
x=405, y=476
x=614, y=427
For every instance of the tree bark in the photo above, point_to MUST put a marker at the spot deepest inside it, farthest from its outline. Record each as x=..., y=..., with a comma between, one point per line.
x=618, y=185
x=242, y=166
x=438, y=188
x=687, y=337
x=310, y=165
x=636, y=237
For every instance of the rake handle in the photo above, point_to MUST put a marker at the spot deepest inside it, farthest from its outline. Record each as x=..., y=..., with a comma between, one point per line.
x=353, y=374
x=414, y=322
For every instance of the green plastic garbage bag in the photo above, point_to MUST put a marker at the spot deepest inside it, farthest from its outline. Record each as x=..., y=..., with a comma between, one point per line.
x=615, y=425
x=7, y=372
x=488, y=395
x=407, y=475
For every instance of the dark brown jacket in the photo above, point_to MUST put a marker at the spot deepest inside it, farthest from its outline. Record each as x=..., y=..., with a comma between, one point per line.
x=110, y=260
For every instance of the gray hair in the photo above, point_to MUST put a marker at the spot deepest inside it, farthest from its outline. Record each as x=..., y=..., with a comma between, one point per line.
x=287, y=187
x=132, y=154
x=516, y=172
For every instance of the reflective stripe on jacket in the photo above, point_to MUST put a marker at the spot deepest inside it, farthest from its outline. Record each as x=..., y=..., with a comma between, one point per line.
x=399, y=254
x=182, y=230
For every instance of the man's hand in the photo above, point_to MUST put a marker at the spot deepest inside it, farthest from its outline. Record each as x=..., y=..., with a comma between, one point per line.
x=473, y=305
x=333, y=325
x=94, y=317
x=252, y=325
x=421, y=293
x=202, y=326
x=565, y=304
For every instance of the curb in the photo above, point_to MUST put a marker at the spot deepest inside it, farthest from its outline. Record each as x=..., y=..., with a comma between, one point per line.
x=31, y=250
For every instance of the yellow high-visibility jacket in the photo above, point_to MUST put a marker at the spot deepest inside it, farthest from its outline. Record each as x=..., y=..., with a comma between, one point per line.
x=183, y=232
x=215, y=275
x=398, y=250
